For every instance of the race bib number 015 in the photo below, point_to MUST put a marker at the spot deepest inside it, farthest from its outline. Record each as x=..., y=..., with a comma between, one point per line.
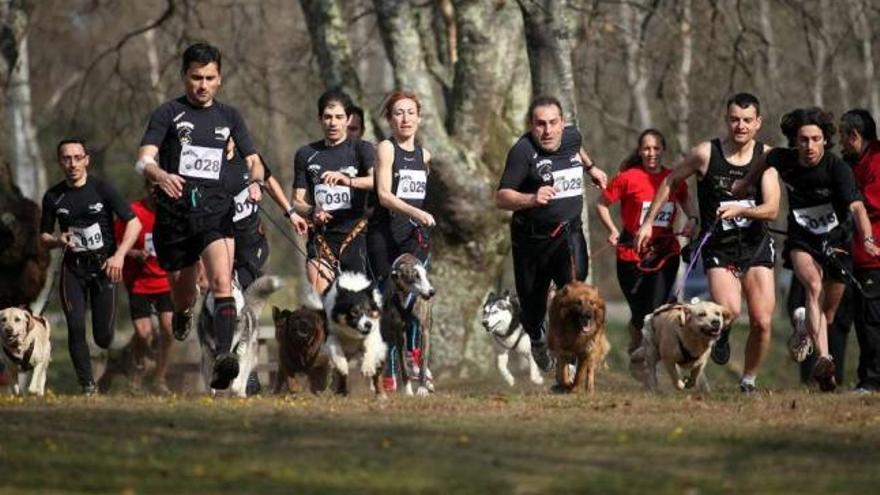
x=87, y=238
x=330, y=198
x=243, y=207
x=817, y=219
x=200, y=162
x=412, y=184
x=664, y=216
x=568, y=182
x=737, y=222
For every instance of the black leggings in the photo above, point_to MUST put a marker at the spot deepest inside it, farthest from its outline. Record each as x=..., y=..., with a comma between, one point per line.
x=250, y=257
x=644, y=292
x=383, y=249
x=539, y=259
x=78, y=287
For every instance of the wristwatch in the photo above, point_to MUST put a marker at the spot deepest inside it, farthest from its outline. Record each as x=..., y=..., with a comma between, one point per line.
x=290, y=212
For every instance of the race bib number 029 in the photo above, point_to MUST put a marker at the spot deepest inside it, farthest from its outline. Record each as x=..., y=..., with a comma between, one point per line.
x=330, y=198
x=87, y=238
x=200, y=162
x=664, y=216
x=817, y=219
x=243, y=207
x=737, y=222
x=568, y=182
x=412, y=184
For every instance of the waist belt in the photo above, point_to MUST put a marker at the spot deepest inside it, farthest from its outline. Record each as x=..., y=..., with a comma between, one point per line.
x=545, y=230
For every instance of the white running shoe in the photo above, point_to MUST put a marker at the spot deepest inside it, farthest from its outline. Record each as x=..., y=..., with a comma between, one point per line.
x=800, y=345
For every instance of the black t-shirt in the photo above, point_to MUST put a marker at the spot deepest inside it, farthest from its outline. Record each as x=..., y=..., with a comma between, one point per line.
x=529, y=167
x=353, y=158
x=192, y=140
x=86, y=212
x=818, y=196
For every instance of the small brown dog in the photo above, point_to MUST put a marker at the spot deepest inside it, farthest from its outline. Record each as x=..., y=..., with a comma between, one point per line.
x=577, y=335
x=681, y=337
x=300, y=335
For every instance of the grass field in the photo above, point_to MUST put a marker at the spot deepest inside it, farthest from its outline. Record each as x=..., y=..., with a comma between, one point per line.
x=473, y=436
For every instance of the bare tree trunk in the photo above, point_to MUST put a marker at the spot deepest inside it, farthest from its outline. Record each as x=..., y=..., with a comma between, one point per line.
x=820, y=63
x=155, y=71
x=771, y=50
x=858, y=12
x=682, y=132
x=632, y=21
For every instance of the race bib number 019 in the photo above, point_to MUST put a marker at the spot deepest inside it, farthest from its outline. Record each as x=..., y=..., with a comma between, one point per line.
x=737, y=222
x=200, y=162
x=412, y=184
x=817, y=219
x=87, y=238
x=330, y=198
x=568, y=182
x=664, y=216
x=149, y=247
x=243, y=207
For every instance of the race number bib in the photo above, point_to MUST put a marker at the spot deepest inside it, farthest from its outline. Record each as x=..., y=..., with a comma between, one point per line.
x=737, y=222
x=243, y=207
x=412, y=184
x=200, y=162
x=664, y=216
x=817, y=219
x=568, y=182
x=330, y=198
x=149, y=247
x=87, y=238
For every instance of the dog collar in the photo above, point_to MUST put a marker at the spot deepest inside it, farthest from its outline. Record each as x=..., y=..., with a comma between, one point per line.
x=25, y=361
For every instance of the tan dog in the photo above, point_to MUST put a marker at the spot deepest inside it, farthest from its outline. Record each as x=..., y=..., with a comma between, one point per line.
x=300, y=335
x=26, y=349
x=577, y=335
x=681, y=337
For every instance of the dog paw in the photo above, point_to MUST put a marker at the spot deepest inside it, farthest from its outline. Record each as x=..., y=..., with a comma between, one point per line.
x=688, y=383
x=679, y=385
x=408, y=388
x=510, y=381
x=423, y=391
x=537, y=380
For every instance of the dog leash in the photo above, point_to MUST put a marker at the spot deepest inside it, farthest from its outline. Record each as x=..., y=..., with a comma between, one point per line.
x=678, y=292
x=291, y=240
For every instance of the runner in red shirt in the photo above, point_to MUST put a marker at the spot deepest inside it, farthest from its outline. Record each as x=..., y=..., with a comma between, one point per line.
x=149, y=293
x=647, y=277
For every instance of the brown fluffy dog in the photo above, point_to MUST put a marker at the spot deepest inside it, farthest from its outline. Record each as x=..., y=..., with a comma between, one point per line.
x=300, y=335
x=577, y=335
x=681, y=337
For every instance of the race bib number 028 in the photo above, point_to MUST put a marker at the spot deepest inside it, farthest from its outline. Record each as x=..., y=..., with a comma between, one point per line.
x=737, y=222
x=664, y=216
x=200, y=162
x=330, y=198
x=568, y=182
x=243, y=207
x=87, y=238
x=817, y=219
x=412, y=184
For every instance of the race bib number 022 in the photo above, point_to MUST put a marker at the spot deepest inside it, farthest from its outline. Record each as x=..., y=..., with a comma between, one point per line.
x=200, y=162
x=817, y=219
x=568, y=182
x=87, y=238
x=412, y=184
x=330, y=198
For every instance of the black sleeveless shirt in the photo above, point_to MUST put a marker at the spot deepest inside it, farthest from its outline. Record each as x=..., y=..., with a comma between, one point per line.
x=714, y=190
x=409, y=182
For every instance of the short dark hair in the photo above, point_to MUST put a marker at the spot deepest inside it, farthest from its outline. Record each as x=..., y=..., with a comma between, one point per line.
x=202, y=54
x=543, y=101
x=356, y=110
x=859, y=120
x=71, y=140
x=744, y=100
x=794, y=120
x=335, y=95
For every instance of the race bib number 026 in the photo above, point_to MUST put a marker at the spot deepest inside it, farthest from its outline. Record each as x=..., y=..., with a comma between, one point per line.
x=737, y=222
x=568, y=182
x=412, y=184
x=664, y=216
x=243, y=207
x=330, y=198
x=87, y=238
x=817, y=219
x=200, y=162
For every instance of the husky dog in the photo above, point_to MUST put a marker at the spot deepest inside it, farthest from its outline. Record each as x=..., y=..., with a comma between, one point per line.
x=501, y=320
x=353, y=307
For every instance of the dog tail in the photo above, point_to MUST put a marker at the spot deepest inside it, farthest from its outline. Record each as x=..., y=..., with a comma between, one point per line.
x=312, y=301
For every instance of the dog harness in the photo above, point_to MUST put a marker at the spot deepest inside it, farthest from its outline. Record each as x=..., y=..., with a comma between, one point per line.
x=514, y=324
x=25, y=361
x=687, y=357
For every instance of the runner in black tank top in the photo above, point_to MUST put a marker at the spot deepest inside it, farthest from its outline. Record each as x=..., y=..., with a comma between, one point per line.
x=736, y=267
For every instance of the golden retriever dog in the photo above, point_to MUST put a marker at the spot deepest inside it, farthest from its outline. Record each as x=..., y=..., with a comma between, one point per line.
x=26, y=349
x=681, y=337
x=577, y=335
x=300, y=335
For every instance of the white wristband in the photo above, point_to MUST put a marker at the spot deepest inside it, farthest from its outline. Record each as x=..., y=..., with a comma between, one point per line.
x=142, y=163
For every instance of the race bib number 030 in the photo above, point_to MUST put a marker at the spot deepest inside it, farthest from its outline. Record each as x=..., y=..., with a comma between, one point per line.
x=737, y=222
x=664, y=216
x=330, y=198
x=412, y=184
x=87, y=238
x=243, y=207
x=568, y=182
x=817, y=219
x=200, y=162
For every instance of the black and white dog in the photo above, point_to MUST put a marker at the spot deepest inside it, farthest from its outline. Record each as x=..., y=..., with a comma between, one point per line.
x=248, y=305
x=353, y=307
x=501, y=320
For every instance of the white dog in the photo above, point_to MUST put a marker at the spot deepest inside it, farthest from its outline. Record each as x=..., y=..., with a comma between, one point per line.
x=501, y=320
x=26, y=349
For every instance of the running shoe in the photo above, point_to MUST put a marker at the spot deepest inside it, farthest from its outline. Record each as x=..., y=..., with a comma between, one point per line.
x=225, y=370
x=542, y=356
x=823, y=373
x=181, y=324
x=89, y=389
x=721, y=350
x=389, y=383
x=800, y=345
